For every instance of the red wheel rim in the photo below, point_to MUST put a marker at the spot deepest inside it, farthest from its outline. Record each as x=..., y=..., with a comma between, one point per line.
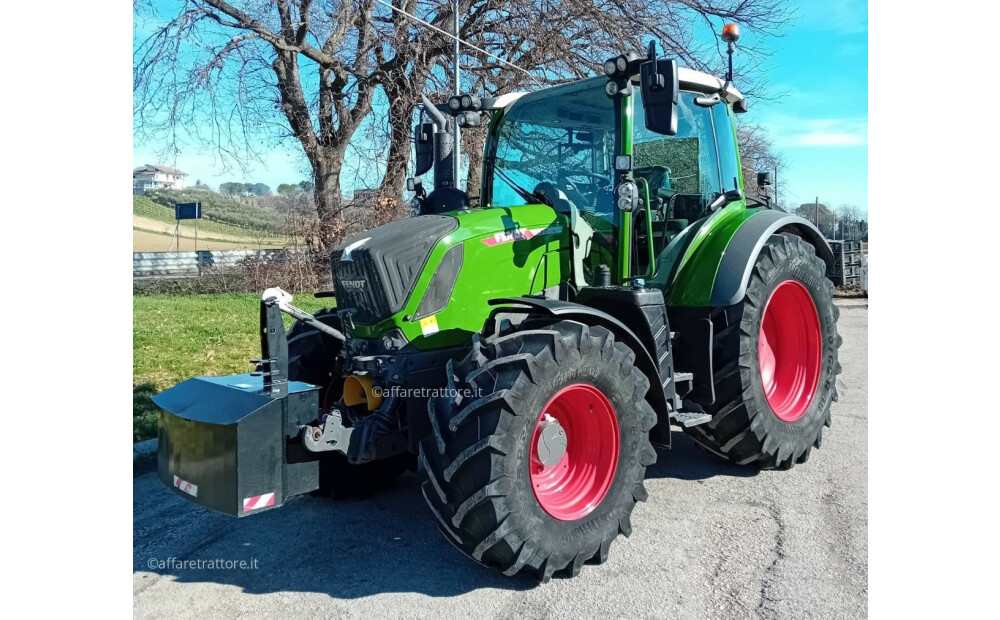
x=571, y=488
x=789, y=350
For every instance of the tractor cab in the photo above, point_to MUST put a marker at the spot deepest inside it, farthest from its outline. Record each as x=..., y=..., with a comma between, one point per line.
x=570, y=136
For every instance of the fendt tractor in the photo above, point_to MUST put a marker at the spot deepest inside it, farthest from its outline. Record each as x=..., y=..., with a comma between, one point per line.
x=526, y=355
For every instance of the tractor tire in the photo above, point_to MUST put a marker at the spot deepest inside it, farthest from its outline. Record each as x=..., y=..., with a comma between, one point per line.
x=775, y=361
x=313, y=358
x=537, y=456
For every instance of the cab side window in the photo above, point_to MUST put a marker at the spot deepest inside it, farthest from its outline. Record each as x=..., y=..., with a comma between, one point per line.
x=725, y=139
x=683, y=168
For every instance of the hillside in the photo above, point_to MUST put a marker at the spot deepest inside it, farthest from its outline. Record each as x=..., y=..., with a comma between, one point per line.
x=225, y=224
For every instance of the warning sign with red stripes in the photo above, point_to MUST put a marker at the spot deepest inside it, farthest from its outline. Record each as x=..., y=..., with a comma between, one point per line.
x=185, y=486
x=258, y=501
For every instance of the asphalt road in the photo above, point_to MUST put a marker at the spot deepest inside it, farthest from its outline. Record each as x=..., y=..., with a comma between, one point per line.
x=713, y=541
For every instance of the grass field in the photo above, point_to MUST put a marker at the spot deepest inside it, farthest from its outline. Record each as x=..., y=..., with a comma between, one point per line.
x=174, y=338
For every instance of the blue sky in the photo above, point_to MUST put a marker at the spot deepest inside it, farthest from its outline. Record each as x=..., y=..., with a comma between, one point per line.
x=819, y=122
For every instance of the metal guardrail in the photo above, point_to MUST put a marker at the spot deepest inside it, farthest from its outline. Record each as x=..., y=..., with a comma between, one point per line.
x=187, y=264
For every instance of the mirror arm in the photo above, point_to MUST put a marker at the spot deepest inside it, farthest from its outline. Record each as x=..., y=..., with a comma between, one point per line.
x=724, y=199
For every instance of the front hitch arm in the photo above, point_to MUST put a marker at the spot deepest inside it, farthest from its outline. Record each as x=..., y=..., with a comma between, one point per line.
x=283, y=299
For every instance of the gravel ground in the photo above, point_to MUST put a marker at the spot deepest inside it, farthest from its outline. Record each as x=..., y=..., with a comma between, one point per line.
x=714, y=541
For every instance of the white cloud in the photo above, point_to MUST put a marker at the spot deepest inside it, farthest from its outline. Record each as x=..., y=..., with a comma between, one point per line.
x=793, y=132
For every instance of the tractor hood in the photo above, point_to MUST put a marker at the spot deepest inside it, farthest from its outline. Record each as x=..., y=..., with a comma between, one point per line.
x=374, y=272
x=431, y=276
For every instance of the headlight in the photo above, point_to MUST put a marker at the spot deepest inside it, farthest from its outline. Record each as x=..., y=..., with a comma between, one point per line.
x=610, y=67
x=387, y=343
x=455, y=103
x=621, y=63
x=611, y=88
x=628, y=196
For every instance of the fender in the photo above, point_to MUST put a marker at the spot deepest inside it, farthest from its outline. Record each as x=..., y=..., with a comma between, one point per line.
x=716, y=267
x=591, y=316
x=738, y=260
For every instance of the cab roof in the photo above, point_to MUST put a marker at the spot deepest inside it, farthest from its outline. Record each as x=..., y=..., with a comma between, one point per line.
x=689, y=79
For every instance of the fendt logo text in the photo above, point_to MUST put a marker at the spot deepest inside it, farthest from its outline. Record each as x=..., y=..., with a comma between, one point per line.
x=353, y=285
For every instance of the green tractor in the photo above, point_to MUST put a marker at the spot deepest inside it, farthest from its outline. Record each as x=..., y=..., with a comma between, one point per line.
x=527, y=355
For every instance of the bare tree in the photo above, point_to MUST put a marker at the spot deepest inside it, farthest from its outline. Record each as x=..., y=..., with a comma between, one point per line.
x=853, y=222
x=253, y=71
x=757, y=154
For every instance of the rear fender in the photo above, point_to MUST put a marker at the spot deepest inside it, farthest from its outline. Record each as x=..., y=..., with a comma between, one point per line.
x=715, y=271
x=738, y=260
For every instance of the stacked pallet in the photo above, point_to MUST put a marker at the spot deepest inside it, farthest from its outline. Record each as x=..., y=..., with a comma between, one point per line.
x=846, y=270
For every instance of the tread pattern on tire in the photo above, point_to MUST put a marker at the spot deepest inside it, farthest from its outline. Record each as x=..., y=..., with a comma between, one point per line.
x=480, y=504
x=743, y=429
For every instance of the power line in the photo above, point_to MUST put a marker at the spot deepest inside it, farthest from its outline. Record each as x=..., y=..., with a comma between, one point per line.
x=451, y=36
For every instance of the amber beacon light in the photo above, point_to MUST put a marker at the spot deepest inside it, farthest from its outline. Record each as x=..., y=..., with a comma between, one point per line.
x=730, y=33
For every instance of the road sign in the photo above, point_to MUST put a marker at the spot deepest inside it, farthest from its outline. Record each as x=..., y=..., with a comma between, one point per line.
x=187, y=211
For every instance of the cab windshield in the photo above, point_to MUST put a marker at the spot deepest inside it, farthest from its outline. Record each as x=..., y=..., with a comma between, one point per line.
x=566, y=135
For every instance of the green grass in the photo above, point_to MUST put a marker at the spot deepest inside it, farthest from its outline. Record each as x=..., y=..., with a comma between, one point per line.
x=174, y=338
x=217, y=216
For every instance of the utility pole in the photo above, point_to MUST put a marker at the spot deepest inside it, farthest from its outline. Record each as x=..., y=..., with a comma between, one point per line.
x=457, y=155
x=776, y=203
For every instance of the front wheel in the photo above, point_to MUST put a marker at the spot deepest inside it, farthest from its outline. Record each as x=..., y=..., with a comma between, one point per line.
x=538, y=461
x=775, y=357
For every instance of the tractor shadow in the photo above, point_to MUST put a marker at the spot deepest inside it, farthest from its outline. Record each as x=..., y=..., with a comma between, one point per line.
x=346, y=549
x=685, y=460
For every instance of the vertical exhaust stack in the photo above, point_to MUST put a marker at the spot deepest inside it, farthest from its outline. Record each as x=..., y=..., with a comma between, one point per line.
x=444, y=152
x=438, y=151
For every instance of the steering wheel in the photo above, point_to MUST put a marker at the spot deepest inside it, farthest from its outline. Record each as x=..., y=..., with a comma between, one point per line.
x=584, y=197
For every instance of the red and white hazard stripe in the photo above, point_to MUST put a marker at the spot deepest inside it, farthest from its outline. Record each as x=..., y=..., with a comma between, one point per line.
x=258, y=501
x=187, y=487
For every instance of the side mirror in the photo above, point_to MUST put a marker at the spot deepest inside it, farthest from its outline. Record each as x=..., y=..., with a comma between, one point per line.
x=658, y=81
x=763, y=178
x=416, y=186
x=423, y=139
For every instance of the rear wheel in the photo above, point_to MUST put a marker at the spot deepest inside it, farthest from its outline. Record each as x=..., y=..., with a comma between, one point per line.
x=537, y=462
x=775, y=361
x=313, y=358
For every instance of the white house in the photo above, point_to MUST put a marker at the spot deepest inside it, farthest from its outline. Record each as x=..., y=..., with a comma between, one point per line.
x=156, y=177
